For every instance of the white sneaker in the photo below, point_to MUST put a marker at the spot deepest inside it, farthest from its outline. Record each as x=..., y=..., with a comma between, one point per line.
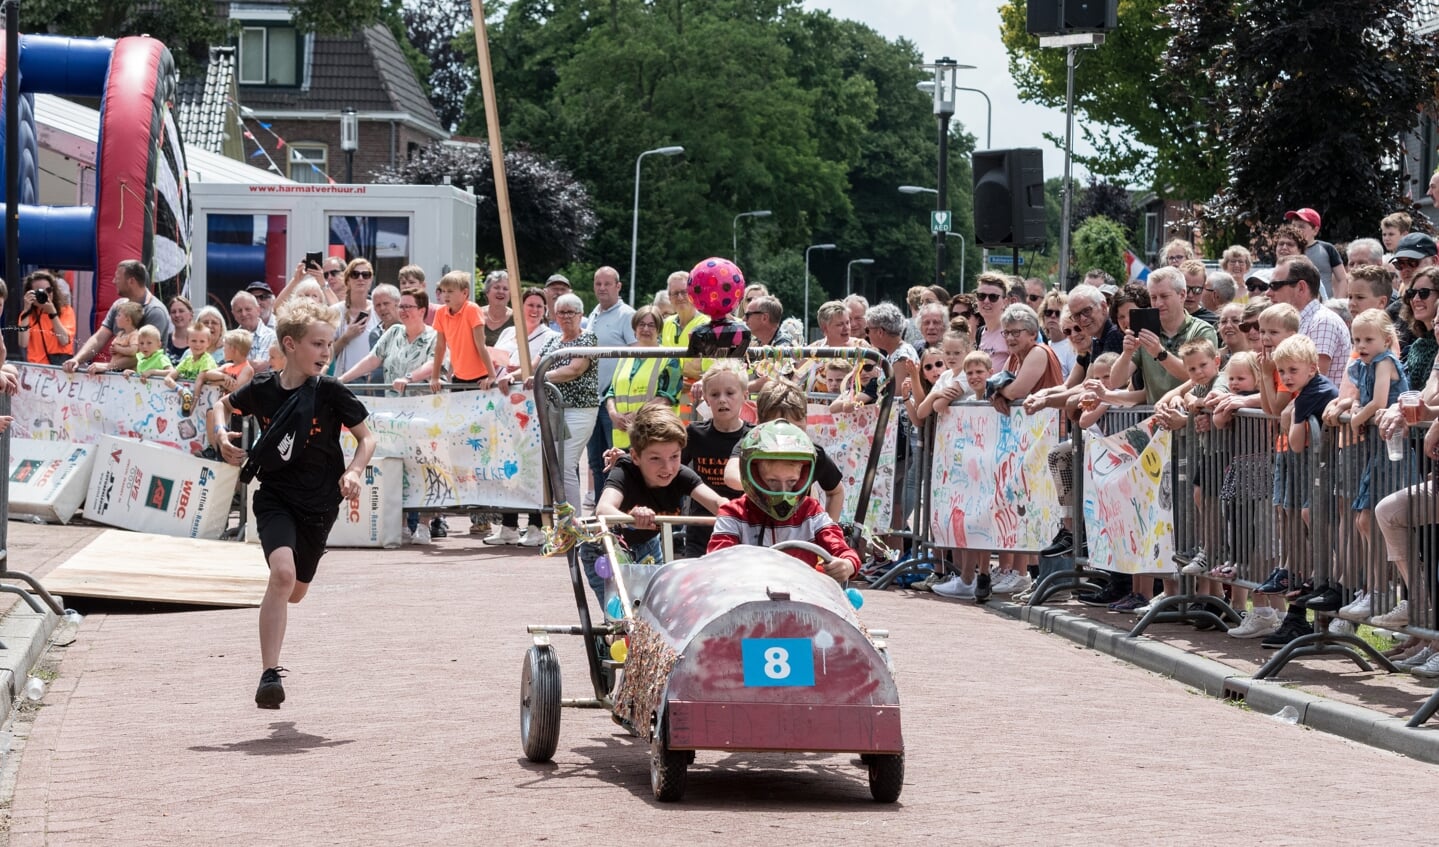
x=1429, y=668
x=1341, y=627
x=1023, y=583
x=534, y=537
x=1417, y=660
x=955, y=588
x=406, y=537
x=1393, y=619
x=421, y=534
x=504, y=535
x=1144, y=610
x=1360, y=609
x=1007, y=582
x=1259, y=622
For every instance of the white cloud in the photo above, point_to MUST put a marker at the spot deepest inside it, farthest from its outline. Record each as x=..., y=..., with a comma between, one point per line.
x=968, y=32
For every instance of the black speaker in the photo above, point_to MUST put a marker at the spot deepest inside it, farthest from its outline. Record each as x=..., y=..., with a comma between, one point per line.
x=1009, y=197
x=1090, y=15
x=1045, y=17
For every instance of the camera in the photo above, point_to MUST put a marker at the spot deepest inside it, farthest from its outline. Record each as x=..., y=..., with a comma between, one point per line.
x=42, y=296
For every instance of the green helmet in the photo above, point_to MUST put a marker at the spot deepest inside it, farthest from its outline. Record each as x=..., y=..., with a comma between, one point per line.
x=780, y=441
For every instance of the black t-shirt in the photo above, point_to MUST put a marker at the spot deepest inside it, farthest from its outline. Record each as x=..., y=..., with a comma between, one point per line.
x=312, y=482
x=707, y=451
x=626, y=478
x=826, y=472
x=1313, y=397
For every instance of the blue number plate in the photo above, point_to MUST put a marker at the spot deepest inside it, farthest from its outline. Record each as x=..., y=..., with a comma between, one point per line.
x=770, y=662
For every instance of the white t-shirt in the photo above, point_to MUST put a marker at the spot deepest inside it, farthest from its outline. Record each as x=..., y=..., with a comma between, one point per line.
x=949, y=378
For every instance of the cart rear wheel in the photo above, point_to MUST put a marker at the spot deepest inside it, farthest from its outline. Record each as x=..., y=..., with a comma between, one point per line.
x=540, y=703
x=668, y=769
x=886, y=777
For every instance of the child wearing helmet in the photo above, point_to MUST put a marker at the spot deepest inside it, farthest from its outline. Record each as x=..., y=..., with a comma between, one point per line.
x=777, y=462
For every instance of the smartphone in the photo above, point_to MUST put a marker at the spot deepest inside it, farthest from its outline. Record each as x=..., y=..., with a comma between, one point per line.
x=314, y=259
x=1142, y=319
x=362, y=317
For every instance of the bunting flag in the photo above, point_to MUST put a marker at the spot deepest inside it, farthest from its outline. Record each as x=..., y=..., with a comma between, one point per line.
x=1138, y=271
x=280, y=143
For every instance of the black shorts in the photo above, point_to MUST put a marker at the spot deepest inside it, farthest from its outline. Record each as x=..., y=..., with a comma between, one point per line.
x=305, y=533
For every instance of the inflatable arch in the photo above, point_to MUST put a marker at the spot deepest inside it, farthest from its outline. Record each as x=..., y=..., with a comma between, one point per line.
x=142, y=194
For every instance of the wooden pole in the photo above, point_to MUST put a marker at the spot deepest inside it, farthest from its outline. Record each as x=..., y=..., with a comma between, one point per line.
x=502, y=187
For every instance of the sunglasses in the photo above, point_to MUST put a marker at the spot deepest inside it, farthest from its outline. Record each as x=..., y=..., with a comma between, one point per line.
x=752, y=314
x=1249, y=326
x=1277, y=284
x=1421, y=293
x=1406, y=264
x=1195, y=289
x=1071, y=330
x=1256, y=287
x=1051, y=313
x=335, y=272
x=362, y=274
x=987, y=298
x=1035, y=298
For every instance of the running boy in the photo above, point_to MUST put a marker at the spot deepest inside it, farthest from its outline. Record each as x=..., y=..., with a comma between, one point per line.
x=777, y=462
x=303, y=476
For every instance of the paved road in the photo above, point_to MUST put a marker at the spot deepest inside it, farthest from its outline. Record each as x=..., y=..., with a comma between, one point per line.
x=401, y=728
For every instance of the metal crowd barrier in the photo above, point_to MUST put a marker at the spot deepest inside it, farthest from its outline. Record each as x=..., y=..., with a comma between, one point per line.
x=36, y=589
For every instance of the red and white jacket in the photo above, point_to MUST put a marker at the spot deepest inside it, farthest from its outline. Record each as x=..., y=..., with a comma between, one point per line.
x=741, y=522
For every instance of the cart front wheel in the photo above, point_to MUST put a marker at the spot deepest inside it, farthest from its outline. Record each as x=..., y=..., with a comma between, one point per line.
x=886, y=777
x=540, y=703
x=668, y=769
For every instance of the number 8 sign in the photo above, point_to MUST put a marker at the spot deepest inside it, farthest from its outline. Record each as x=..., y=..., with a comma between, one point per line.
x=772, y=662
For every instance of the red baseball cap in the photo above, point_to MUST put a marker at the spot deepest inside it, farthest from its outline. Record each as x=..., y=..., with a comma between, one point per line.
x=1307, y=215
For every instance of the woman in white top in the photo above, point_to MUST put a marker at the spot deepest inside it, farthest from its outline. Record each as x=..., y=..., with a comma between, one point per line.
x=506, y=352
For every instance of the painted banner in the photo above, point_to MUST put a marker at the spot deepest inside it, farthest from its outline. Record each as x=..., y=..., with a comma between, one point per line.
x=1128, y=499
x=847, y=438
x=467, y=448
x=373, y=519
x=156, y=489
x=991, y=488
x=48, y=478
x=82, y=408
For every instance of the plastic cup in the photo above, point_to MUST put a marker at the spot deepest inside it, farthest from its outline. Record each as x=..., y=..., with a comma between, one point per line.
x=1409, y=406
x=1395, y=445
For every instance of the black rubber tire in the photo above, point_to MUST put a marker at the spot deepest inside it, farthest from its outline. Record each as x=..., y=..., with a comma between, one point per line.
x=540, y=703
x=886, y=777
x=668, y=770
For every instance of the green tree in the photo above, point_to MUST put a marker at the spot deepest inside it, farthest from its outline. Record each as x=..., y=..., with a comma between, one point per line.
x=1100, y=243
x=1160, y=115
x=1316, y=131
x=551, y=210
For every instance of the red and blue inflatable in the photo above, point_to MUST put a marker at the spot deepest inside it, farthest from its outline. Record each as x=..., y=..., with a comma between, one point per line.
x=142, y=193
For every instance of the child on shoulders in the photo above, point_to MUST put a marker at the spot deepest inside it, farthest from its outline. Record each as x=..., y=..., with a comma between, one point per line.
x=777, y=462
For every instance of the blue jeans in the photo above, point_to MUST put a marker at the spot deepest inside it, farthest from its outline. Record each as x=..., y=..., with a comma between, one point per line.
x=600, y=440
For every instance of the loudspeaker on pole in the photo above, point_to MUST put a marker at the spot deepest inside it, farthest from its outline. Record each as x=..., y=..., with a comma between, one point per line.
x=1009, y=197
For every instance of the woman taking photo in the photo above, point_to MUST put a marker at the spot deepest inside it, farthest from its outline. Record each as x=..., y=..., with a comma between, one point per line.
x=47, y=323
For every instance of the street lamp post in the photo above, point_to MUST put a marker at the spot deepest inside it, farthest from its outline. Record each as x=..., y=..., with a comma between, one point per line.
x=945, y=71
x=848, y=269
x=349, y=140
x=635, y=226
x=734, y=229
x=960, y=236
x=805, y=322
x=928, y=88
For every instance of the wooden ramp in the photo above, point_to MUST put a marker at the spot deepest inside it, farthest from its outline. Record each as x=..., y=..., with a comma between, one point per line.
x=120, y=565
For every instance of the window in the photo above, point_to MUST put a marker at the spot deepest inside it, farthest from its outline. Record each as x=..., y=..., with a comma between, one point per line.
x=269, y=55
x=309, y=163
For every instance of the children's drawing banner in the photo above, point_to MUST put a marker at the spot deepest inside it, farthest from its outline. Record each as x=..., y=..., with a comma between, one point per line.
x=466, y=448
x=847, y=438
x=1128, y=499
x=990, y=485
x=83, y=408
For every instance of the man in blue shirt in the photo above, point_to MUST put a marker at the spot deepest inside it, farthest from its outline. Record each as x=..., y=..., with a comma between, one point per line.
x=612, y=323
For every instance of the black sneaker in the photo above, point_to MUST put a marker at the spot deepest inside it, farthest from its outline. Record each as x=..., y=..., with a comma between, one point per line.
x=1110, y=593
x=981, y=587
x=438, y=529
x=1062, y=545
x=271, y=692
x=1277, y=583
x=1328, y=599
x=1291, y=629
x=1302, y=593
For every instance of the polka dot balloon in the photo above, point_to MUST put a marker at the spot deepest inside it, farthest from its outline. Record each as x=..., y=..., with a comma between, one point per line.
x=716, y=285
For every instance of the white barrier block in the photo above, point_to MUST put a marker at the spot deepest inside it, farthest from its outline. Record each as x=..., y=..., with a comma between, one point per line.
x=48, y=478
x=158, y=489
x=375, y=517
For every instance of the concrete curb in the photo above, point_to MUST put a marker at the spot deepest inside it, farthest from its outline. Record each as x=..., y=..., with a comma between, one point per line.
x=25, y=634
x=1219, y=680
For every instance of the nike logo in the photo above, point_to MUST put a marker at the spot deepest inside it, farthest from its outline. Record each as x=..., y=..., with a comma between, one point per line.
x=286, y=445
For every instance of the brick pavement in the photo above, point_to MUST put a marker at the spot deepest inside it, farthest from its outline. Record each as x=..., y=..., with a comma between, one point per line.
x=402, y=728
